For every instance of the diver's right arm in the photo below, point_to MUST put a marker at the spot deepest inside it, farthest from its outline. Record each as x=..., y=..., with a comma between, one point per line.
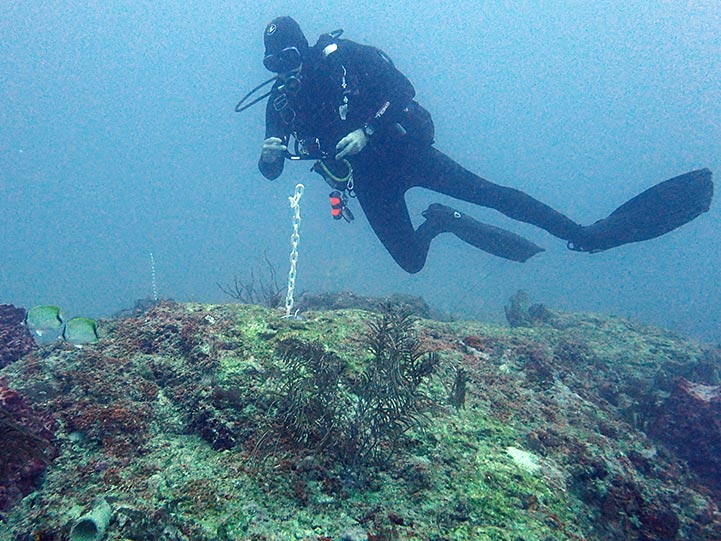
x=271, y=158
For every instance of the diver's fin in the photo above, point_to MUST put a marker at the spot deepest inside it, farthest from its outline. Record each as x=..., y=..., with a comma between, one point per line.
x=488, y=238
x=658, y=210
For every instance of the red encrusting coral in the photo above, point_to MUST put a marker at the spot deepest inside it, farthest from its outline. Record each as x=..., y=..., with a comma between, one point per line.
x=691, y=424
x=15, y=338
x=26, y=445
x=108, y=401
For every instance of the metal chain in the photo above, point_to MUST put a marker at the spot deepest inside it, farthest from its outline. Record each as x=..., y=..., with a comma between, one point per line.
x=155, y=285
x=294, y=240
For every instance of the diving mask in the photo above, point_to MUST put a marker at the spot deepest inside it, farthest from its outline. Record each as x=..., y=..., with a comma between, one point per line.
x=283, y=61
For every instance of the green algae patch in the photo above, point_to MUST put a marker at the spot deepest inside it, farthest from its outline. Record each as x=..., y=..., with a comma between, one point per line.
x=340, y=331
x=234, y=369
x=253, y=324
x=252, y=335
x=493, y=498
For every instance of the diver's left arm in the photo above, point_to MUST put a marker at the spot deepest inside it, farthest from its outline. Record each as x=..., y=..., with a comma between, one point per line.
x=384, y=93
x=351, y=144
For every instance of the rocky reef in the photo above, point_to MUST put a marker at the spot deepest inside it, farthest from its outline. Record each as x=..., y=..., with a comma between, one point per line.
x=15, y=338
x=25, y=436
x=229, y=422
x=26, y=439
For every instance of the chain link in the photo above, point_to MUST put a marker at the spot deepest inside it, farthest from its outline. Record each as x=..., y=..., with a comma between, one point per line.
x=294, y=241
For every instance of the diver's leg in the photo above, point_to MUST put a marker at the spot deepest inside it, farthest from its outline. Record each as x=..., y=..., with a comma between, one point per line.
x=491, y=239
x=660, y=209
x=383, y=202
x=434, y=170
x=384, y=205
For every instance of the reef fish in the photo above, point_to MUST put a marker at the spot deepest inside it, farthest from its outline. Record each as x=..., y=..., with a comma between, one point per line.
x=80, y=330
x=44, y=319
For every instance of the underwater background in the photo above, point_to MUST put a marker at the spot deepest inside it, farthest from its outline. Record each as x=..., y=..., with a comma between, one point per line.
x=119, y=139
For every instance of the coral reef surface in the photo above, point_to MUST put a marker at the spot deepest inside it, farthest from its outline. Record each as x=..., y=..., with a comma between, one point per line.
x=230, y=422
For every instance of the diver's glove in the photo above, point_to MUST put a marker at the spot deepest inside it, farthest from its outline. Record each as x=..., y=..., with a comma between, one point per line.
x=273, y=149
x=351, y=144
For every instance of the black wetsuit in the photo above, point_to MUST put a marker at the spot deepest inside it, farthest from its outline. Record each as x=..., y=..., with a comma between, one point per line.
x=356, y=85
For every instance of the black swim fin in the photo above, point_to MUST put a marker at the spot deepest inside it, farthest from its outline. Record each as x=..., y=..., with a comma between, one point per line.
x=488, y=238
x=660, y=209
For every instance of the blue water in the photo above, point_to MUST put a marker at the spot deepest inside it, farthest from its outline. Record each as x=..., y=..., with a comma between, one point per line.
x=118, y=138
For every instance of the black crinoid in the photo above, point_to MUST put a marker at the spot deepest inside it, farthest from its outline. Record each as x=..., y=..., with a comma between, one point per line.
x=312, y=402
x=391, y=396
x=358, y=417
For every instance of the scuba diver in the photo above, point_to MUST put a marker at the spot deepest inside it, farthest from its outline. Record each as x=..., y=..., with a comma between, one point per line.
x=346, y=106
